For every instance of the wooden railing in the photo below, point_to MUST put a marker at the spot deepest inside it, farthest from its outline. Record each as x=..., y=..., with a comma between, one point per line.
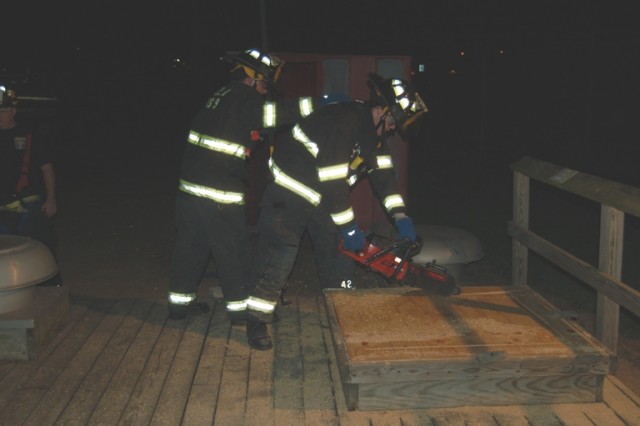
x=615, y=201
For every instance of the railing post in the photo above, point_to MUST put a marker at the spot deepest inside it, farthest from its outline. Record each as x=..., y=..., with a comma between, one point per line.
x=520, y=218
x=610, y=263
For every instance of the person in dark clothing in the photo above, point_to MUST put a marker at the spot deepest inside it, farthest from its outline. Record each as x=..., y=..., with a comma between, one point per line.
x=313, y=167
x=210, y=211
x=27, y=179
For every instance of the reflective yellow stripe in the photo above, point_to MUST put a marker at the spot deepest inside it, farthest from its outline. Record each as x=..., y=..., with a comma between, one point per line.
x=393, y=201
x=261, y=305
x=384, y=162
x=181, y=298
x=306, y=106
x=339, y=171
x=17, y=207
x=223, y=197
x=301, y=137
x=237, y=306
x=293, y=185
x=218, y=145
x=269, y=117
x=343, y=217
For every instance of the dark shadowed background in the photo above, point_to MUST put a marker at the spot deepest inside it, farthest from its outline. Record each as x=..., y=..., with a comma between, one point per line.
x=556, y=80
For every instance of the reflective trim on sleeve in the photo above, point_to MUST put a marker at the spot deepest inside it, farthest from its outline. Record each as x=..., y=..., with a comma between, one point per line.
x=237, y=305
x=181, y=298
x=223, y=197
x=384, y=162
x=293, y=185
x=306, y=106
x=301, y=137
x=261, y=305
x=269, y=117
x=393, y=201
x=218, y=145
x=343, y=217
x=339, y=171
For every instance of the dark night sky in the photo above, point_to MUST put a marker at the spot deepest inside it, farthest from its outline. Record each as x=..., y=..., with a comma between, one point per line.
x=570, y=69
x=147, y=30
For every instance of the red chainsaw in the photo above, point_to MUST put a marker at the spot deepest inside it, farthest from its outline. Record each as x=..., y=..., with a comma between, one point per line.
x=392, y=259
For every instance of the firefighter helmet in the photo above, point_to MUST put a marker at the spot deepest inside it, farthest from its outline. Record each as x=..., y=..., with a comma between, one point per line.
x=8, y=98
x=399, y=98
x=256, y=65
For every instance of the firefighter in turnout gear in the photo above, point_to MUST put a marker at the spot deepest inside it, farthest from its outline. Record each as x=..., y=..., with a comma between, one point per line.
x=210, y=211
x=313, y=167
x=27, y=179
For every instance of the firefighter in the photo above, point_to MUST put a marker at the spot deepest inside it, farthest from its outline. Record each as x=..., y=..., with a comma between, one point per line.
x=27, y=179
x=313, y=167
x=210, y=212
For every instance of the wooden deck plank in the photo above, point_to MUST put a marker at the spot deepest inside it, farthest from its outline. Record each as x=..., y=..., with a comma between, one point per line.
x=319, y=399
x=130, y=364
x=202, y=401
x=94, y=383
x=68, y=382
x=231, y=405
x=288, y=370
x=621, y=400
x=175, y=391
x=114, y=399
x=16, y=374
x=30, y=394
x=143, y=400
x=260, y=406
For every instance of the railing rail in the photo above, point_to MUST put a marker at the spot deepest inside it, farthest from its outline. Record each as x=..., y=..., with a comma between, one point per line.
x=615, y=201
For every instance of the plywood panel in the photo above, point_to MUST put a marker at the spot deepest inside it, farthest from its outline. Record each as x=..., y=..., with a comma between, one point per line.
x=400, y=347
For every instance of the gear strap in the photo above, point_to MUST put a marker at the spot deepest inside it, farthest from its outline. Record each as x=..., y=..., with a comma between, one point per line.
x=23, y=180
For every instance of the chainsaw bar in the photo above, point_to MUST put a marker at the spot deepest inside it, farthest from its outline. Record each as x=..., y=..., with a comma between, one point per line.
x=393, y=262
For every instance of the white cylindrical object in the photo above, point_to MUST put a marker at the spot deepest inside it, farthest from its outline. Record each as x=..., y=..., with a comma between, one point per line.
x=24, y=262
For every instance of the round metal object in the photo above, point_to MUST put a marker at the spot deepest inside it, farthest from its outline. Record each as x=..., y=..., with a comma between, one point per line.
x=447, y=246
x=24, y=262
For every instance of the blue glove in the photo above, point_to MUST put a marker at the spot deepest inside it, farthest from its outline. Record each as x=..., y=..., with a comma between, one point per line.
x=353, y=238
x=405, y=228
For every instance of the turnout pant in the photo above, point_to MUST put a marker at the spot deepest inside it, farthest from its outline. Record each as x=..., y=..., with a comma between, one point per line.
x=204, y=229
x=284, y=217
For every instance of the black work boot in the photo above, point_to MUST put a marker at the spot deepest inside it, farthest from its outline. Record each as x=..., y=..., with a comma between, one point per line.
x=180, y=312
x=258, y=336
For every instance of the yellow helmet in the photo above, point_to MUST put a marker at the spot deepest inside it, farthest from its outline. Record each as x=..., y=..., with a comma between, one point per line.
x=256, y=65
x=397, y=96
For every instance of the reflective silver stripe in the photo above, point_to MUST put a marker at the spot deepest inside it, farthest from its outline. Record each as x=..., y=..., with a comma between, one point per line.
x=218, y=145
x=339, y=171
x=261, y=305
x=223, y=197
x=237, y=306
x=181, y=298
x=300, y=136
x=393, y=201
x=343, y=217
x=269, y=117
x=293, y=185
x=306, y=106
x=351, y=180
x=384, y=162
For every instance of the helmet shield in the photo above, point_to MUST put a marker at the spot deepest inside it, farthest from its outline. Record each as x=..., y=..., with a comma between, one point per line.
x=256, y=65
x=402, y=102
x=8, y=98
